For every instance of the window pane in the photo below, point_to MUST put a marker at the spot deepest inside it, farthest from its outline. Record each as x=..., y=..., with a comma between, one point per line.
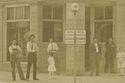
x=52, y=30
x=108, y=12
x=47, y=11
x=10, y=13
x=19, y=12
x=58, y=12
x=103, y=30
x=99, y=13
x=58, y=32
x=27, y=12
x=48, y=31
x=17, y=33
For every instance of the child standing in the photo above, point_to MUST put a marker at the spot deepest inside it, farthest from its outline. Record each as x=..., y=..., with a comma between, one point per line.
x=51, y=67
x=121, y=61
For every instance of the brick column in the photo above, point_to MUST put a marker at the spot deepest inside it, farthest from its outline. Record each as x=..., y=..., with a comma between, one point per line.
x=34, y=19
x=77, y=22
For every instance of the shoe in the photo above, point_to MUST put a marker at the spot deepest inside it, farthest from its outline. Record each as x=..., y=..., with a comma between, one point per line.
x=97, y=74
x=35, y=79
x=13, y=80
x=25, y=79
x=91, y=74
x=121, y=75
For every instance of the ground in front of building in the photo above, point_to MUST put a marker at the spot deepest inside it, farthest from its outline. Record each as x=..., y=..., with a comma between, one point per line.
x=5, y=77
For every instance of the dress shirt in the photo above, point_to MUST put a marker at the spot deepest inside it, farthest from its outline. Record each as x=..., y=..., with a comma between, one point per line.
x=97, y=48
x=52, y=47
x=32, y=47
x=12, y=47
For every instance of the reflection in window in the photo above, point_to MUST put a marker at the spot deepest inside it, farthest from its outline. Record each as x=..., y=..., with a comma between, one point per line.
x=10, y=13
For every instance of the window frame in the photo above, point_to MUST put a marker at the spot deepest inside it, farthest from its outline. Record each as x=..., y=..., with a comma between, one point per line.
x=16, y=6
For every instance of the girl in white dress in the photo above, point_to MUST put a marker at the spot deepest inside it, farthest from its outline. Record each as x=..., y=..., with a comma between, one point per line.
x=51, y=67
x=121, y=61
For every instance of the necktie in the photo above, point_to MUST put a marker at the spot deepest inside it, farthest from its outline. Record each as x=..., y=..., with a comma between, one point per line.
x=32, y=46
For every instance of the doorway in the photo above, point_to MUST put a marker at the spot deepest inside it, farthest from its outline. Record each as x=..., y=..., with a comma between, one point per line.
x=99, y=24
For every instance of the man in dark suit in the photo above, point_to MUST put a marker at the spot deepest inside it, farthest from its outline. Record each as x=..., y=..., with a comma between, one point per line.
x=94, y=57
x=110, y=55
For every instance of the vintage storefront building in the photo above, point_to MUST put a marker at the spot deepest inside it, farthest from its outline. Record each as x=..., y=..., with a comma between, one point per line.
x=55, y=19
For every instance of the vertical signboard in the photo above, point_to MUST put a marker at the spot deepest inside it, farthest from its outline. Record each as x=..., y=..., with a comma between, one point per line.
x=69, y=37
x=80, y=37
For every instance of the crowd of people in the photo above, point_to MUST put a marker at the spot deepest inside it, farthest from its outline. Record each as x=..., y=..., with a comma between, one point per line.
x=32, y=52
x=111, y=55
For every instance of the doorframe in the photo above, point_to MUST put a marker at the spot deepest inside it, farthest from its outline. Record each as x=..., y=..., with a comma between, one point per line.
x=92, y=14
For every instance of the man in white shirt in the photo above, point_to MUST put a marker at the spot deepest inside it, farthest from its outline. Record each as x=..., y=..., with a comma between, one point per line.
x=32, y=50
x=52, y=47
x=94, y=57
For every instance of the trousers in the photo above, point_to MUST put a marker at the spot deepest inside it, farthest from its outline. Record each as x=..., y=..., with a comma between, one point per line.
x=16, y=62
x=32, y=59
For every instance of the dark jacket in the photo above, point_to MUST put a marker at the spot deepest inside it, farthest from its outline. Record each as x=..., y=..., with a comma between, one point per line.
x=93, y=53
x=110, y=49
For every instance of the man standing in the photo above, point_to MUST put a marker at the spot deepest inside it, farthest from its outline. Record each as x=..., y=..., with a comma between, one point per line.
x=32, y=50
x=15, y=50
x=110, y=55
x=94, y=57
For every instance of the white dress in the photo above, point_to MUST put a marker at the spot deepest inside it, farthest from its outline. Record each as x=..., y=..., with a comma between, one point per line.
x=120, y=60
x=51, y=67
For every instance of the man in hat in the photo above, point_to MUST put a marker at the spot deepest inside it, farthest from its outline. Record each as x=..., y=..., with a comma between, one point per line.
x=32, y=50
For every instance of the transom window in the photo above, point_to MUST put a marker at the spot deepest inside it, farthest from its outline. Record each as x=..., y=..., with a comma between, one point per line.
x=52, y=23
x=103, y=13
x=15, y=13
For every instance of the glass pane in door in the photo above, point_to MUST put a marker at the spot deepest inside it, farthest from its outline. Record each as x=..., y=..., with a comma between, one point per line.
x=103, y=31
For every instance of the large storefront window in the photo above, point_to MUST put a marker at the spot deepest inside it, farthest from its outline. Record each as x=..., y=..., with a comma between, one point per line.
x=53, y=23
x=18, y=25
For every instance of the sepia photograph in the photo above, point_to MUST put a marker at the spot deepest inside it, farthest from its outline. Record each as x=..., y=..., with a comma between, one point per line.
x=62, y=41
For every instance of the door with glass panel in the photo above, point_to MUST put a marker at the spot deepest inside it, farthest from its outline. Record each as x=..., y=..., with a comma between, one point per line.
x=99, y=24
